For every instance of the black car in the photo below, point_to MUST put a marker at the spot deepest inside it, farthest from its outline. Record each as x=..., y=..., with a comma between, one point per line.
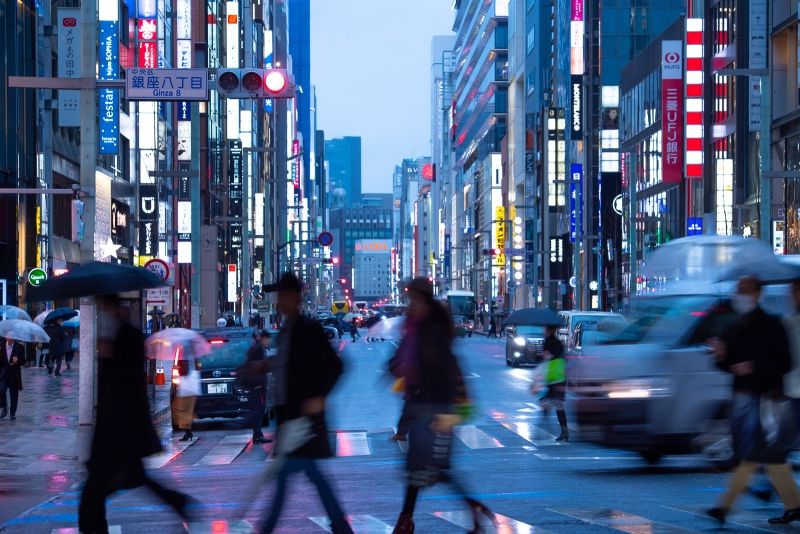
x=221, y=395
x=524, y=344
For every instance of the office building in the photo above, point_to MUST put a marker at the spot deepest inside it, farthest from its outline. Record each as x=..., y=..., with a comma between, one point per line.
x=372, y=265
x=344, y=171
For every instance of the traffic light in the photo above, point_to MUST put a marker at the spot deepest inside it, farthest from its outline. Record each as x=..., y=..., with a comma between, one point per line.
x=343, y=280
x=255, y=83
x=335, y=260
x=491, y=252
x=77, y=220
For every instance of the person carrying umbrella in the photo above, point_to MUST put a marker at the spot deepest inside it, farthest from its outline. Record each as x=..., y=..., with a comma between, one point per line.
x=186, y=392
x=12, y=358
x=553, y=374
x=436, y=399
x=58, y=340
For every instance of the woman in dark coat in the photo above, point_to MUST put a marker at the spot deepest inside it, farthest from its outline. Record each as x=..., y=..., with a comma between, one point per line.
x=435, y=392
x=124, y=431
x=12, y=359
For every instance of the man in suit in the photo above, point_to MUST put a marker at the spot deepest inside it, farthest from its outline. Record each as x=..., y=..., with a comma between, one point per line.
x=306, y=368
x=58, y=341
x=12, y=358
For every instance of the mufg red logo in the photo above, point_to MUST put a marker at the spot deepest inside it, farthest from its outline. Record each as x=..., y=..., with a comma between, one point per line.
x=70, y=22
x=672, y=57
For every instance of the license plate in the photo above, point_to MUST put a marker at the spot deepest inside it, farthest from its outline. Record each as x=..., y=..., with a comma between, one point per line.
x=217, y=388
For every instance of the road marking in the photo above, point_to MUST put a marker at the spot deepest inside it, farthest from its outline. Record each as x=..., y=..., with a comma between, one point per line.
x=475, y=438
x=543, y=456
x=362, y=524
x=472, y=375
x=352, y=444
x=157, y=461
x=226, y=450
x=112, y=529
x=742, y=518
x=221, y=526
x=620, y=521
x=532, y=433
x=503, y=523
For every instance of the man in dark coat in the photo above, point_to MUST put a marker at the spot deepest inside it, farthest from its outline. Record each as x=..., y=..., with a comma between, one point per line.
x=12, y=358
x=124, y=431
x=305, y=369
x=255, y=378
x=58, y=341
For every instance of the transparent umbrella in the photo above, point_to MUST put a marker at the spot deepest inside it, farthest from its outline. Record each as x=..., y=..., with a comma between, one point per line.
x=39, y=319
x=12, y=312
x=165, y=344
x=388, y=329
x=23, y=330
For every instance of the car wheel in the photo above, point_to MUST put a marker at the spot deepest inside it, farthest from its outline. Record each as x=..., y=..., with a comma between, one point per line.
x=470, y=334
x=515, y=363
x=715, y=443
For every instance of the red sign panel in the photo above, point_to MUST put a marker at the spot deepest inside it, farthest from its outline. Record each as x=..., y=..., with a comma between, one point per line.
x=148, y=54
x=147, y=29
x=671, y=112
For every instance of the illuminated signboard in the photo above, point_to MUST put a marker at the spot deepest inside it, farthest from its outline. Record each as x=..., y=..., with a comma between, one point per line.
x=69, y=47
x=671, y=112
x=575, y=202
x=694, y=98
x=576, y=96
x=500, y=234
x=108, y=69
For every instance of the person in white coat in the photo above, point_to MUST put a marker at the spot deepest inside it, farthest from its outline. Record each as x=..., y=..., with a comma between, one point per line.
x=186, y=392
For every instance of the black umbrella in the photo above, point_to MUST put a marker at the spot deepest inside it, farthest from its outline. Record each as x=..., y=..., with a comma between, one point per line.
x=533, y=317
x=95, y=278
x=60, y=313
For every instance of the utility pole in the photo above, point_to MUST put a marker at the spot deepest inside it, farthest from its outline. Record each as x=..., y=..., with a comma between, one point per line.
x=88, y=160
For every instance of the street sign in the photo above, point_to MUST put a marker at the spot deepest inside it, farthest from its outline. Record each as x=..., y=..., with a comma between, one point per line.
x=166, y=84
x=325, y=239
x=515, y=252
x=616, y=204
x=263, y=306
x=158, y=267
x=37, y=277
x=158, y=295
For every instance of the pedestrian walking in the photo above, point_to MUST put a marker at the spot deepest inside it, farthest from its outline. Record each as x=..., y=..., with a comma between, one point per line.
x=492, y=327
x=253, y=376
x=353, y=329
x=56, y=346
x=551, y=382
x=12, y=358
x=755, y=349
x=305, y=369
x=435, y=393
x=70, y=346
x=124, y=431
x=187, y=390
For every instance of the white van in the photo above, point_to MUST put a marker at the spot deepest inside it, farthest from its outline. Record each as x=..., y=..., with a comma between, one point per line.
x=590, y=320
x=654, y=388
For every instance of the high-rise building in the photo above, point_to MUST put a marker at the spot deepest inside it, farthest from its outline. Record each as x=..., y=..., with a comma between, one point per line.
x=348, y=225
x=300, y=50
x=344, y=171
x=372, y=265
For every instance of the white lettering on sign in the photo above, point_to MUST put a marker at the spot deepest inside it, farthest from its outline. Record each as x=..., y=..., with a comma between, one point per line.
x=166, y=84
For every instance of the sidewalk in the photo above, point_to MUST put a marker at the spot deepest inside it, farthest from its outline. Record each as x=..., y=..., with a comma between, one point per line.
x=46, y=437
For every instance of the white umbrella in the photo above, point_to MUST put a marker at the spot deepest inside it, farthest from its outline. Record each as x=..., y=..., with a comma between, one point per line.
x=23, y=330
x=12, y=312
x=164, y=345
x=39, y=319
x=391, y=328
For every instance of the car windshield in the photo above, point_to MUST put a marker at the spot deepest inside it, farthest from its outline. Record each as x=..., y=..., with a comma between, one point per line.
x=526, y=330
x=227, y=353
x=660, y=318
x=593, y=322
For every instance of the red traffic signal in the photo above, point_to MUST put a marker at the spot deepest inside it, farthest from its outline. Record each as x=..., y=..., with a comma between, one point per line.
x=343, y=280
x=335, y=260
x=255, y=83
x=275, y=81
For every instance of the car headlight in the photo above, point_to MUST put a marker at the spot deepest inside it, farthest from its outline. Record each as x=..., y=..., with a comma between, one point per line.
x=638, y=388
x=519, y=341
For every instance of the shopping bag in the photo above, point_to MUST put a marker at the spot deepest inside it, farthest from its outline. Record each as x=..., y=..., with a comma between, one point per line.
x=778, y=427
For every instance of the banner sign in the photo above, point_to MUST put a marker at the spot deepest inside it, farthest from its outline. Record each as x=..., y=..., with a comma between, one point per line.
x=576, y=97
x=166, y=84
x=108, y=99
x=575, y=202
x=148, y=220
x=235, y=183
x=500, y=234
x=69, y=52
x=672, y=112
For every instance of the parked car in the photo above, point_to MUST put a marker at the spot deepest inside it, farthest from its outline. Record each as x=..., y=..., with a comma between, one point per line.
x=333, y=322
x=221, y=396
x=331, y=332
x=524, y=344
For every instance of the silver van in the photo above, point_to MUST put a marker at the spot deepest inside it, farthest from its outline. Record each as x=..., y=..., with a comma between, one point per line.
x=654, y=388
x=590, y=319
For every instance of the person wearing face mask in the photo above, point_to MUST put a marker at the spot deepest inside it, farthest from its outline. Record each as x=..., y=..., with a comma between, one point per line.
x=755, y=350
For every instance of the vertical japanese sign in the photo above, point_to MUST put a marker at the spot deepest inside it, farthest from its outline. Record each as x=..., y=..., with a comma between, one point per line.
x=148, y=220
x=500, y=234
x=575, y=202
x=671, y=112
x=184, y=34
x=147, y=31
x=108, y=69
x=694, y=98
x=235, y=183
x=69, y=52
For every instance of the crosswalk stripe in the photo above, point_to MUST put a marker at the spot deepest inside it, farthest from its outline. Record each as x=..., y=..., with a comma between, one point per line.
x=226, y=450
x=112, y=529
x=352, y=444
x=504, y=524
x=361, y=524
x=738, y=517
x=157, y=461
x=620, y=521
x=531, y=433
x=402, y=444
x=475, y=438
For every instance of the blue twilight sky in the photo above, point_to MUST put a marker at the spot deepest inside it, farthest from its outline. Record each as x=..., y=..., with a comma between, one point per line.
x=371, y=64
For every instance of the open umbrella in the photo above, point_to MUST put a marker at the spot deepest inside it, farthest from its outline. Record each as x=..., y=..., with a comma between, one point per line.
x=533, y=317
x=391, y=329
x=164, y=344
x=95, y=278
x=75, y=322
x=60, y=313
x=768, y=269
x=39, y=319
x=12, y=312
x=23, y=330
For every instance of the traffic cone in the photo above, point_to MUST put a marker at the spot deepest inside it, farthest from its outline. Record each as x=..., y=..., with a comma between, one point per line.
x=160, y=377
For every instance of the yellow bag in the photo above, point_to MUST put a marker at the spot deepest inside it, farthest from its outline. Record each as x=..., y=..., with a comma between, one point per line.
x=399, y=385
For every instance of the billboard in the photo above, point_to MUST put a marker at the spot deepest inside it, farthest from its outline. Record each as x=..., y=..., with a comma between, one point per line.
x=575, y=202
x=108, y=69
x=576, y=114
x=69, y=52
x=672, y=111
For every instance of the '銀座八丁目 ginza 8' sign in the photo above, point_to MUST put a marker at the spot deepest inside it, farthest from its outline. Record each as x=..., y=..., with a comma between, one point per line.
x=166, y=84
